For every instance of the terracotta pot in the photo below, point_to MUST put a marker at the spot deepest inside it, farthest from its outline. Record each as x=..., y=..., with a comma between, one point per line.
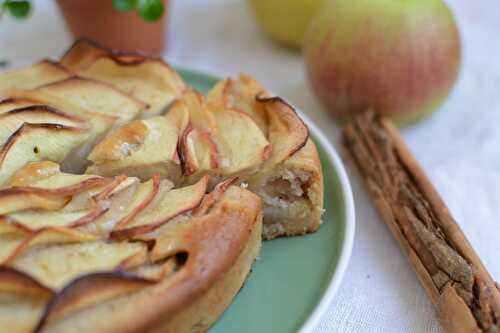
x=126, y=31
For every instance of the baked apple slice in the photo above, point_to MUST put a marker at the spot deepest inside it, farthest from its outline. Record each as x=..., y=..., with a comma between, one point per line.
x=85, y=198
x=239, y=94
x=14, y=245
x=218, y=141
x=140, y=148
x=59, y=260
x=32, y=221
x=37, y=142
x=198, y=150
x=42, y=186
x=90, y=289
x=33, y=76
x=243, y=145
x=102, y=192
x=33, y=172
x=12, y=200
x=25, y=198
x=127, y=204
x=47, y=179
x=9, y=104
x=200, y=154
x=20, y=313
x=98, y=124
x=286, y=131
x=97, y=97
x=167, y=206
x=12, y=120
x=22, y=300
x=100, y=121
x=148, y=79
x=83, y=53
x=17, y=282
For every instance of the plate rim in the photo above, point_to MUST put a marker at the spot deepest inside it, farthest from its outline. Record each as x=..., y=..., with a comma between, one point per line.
x=337, y=277
x=350, y=220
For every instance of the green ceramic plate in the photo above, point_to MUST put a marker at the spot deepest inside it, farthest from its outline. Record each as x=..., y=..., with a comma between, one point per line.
x=295, y=279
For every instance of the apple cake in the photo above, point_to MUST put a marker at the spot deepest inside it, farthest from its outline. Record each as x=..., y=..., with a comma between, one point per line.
x=122, y=188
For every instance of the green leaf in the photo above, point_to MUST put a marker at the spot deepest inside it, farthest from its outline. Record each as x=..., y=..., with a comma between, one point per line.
x=18, y=9
x=124, y=5
x=150, y=10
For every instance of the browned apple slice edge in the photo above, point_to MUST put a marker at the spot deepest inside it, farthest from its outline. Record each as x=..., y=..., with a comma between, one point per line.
x=89, y=289
x=131, y=232
x=13, y=280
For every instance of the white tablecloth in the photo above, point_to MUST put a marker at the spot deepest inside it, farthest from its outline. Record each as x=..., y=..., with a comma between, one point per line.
x=458, y=146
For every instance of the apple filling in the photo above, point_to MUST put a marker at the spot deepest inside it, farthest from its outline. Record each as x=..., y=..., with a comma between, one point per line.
x=287, y=202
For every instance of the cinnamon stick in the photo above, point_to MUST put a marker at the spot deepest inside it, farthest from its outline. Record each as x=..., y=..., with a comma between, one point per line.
x=466, y=297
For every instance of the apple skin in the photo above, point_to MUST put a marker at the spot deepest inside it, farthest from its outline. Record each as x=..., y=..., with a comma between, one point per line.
x=285, y=21
x=398, y=57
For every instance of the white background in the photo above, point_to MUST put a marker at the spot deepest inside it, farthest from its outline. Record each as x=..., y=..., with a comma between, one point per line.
x=459, y=146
